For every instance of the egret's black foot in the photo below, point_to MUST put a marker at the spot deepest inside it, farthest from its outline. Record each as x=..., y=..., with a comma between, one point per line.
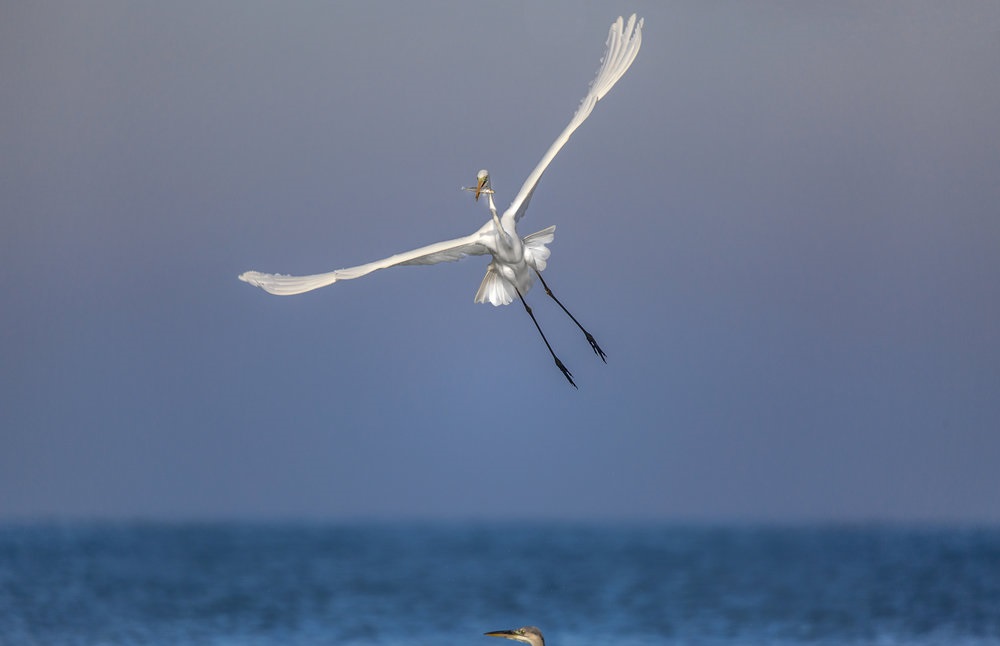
x=590, y=337
x=596, y=348
x=566, y=372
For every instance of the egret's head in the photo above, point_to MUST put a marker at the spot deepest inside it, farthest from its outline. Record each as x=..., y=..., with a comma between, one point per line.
x=482, y=183
x=529, y=634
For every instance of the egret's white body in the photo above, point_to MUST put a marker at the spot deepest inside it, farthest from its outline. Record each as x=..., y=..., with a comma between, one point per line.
x=516, y=260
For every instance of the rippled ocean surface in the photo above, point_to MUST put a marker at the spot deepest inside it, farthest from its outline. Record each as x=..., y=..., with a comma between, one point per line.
x=397, y=584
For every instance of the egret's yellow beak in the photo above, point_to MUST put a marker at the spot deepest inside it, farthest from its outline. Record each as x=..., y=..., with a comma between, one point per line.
x=482, y=183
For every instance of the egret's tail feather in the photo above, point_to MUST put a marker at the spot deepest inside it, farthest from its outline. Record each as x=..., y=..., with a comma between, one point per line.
x=494, y=289
x=283, y=285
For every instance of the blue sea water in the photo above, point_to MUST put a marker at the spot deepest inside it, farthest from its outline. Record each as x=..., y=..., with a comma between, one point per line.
x=394, y=584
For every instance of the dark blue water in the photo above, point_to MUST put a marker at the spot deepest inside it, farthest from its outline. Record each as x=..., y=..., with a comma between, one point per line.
x=447, y=584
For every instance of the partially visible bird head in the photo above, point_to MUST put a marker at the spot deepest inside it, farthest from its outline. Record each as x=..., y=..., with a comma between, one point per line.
x=529, y=634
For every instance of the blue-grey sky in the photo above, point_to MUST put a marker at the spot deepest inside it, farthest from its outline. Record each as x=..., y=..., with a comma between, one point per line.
x=782, y=225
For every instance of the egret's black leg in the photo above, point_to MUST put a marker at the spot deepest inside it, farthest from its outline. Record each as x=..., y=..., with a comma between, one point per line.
x=590, y=337
x=559, y=364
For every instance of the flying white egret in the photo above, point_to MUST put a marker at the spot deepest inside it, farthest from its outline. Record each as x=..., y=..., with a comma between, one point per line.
x=529, y=635
x=516, y=260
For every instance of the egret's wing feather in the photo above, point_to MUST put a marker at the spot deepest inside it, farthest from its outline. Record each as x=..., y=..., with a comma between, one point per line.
x=534, y=247
x=621, y=49
x=447, y=251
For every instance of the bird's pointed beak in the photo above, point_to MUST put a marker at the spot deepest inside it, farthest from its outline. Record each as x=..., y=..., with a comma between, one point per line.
x=509, y=634
x=480, y=185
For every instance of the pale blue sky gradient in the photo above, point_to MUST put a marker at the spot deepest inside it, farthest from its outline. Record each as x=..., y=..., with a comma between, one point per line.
x=782, y=225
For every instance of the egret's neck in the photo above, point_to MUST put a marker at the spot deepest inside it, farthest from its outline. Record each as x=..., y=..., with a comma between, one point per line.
x=496, y=218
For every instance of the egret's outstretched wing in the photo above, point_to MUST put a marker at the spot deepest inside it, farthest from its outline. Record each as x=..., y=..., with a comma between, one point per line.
x=622, y=47
x=447, y=251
